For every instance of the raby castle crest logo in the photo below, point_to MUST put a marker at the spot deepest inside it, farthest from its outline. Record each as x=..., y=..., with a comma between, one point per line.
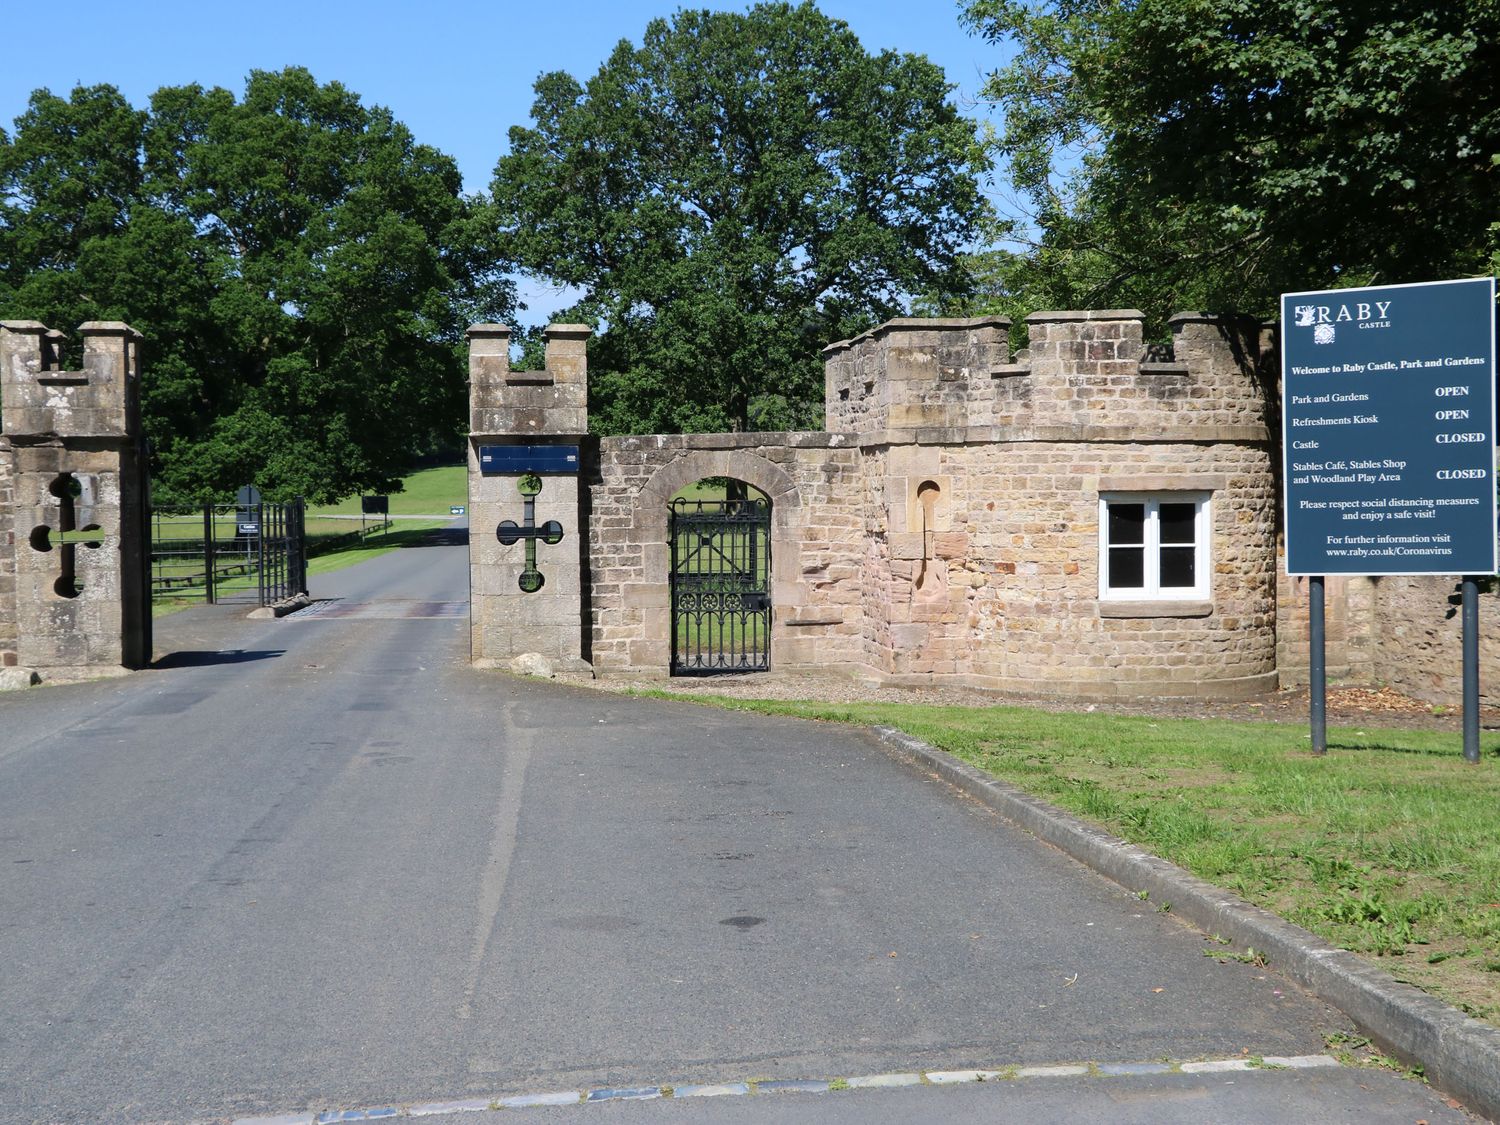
x=1324, y=319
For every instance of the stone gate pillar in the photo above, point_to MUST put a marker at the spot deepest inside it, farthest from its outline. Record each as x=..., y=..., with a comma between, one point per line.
x=528, y=534
x=78, y=522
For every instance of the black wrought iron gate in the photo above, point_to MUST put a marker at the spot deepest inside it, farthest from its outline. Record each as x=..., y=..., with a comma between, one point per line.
x=721, y=586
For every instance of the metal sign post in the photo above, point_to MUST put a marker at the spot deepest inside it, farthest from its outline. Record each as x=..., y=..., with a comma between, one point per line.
x=1317, y=665
x=1388, y=428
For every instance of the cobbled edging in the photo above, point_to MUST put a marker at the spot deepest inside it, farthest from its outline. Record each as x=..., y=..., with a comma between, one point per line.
x=772, y=1087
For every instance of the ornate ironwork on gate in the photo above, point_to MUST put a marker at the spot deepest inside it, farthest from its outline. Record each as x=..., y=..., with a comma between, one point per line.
x=721, y=586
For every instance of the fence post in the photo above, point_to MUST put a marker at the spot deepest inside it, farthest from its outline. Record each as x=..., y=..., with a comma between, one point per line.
x=210, y=555
x=260, y=552
x=300, y=513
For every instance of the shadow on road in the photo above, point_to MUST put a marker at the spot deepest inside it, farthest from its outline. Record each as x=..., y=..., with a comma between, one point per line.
x=190, y=659
x=441, y=537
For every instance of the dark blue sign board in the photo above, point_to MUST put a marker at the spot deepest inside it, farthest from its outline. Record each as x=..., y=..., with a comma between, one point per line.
x=1388, y=428
x=517, y=459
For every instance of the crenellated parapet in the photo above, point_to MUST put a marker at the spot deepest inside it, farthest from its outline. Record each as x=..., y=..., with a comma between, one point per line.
x=41, y=399
x=1086, y=376
x=552, y=401
x=914, y=374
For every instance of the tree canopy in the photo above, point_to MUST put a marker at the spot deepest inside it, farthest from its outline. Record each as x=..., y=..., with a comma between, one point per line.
x=731, y=196
x=1214, y=153
x=303, y=271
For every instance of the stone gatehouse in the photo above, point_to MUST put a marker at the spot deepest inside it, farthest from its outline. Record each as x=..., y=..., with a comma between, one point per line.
x=1095, y=516
x=1091, y=517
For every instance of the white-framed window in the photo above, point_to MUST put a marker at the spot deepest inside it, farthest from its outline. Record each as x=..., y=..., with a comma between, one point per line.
x=1154, y=546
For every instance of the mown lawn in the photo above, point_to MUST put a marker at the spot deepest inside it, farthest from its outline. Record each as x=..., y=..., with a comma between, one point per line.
x=425, y=492
x=1389, y=845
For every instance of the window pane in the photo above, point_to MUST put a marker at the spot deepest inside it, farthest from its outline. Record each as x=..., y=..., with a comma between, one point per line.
x=1127, y=568
x=1177, y=522
x=1177, y=566
x=1127, y=524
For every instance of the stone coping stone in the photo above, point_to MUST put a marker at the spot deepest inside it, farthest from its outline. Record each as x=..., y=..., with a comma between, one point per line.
x=1207, y=432
x=801, y=439
x=1067, y=315
x=922, y=324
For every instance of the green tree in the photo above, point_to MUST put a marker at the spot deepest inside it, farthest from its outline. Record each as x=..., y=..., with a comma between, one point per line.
x=732, y=195
x=302, y=268
x=1219, y=152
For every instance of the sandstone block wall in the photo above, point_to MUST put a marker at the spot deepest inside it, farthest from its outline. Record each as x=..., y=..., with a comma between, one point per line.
x=73, y=465
x=981, y=484
x=813, y=482
x=518, y=408
x=1351, y=628
x=1001, y=588
x=946, y=525
x=8, y=653
x=914, y=374
x=1418, y=648
x=1403, y=632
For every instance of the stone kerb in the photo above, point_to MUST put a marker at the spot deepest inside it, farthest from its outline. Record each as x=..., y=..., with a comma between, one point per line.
x=643, y=540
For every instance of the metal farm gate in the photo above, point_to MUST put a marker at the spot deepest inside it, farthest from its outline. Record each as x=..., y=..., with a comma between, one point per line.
x=721, y=586
x=250, y=553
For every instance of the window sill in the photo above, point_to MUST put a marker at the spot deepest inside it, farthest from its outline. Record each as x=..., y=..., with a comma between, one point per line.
x=1163, y=608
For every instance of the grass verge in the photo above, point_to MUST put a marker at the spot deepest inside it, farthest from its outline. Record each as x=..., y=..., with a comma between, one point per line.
x=1388, y=846
x=425, y=492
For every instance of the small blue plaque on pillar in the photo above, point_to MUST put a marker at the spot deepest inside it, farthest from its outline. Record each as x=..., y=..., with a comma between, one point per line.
x=514, y=460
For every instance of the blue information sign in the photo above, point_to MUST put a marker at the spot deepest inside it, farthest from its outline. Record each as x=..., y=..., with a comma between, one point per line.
x=1388, y=427
x=514, y=460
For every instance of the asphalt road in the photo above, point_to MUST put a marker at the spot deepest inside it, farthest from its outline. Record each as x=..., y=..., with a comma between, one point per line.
x=320, y=863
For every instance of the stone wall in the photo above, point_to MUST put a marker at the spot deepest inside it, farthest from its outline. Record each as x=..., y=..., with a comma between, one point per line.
x=813, y=481
x=982, y=479
x=1403, y=632
x=1001, y=587
x=945, y=528
x=1350, y=628
x=76, y=521
x=1418, y=647
x=8, y=655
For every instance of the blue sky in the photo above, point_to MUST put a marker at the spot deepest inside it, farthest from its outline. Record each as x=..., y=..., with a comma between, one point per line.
x=457, y=72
